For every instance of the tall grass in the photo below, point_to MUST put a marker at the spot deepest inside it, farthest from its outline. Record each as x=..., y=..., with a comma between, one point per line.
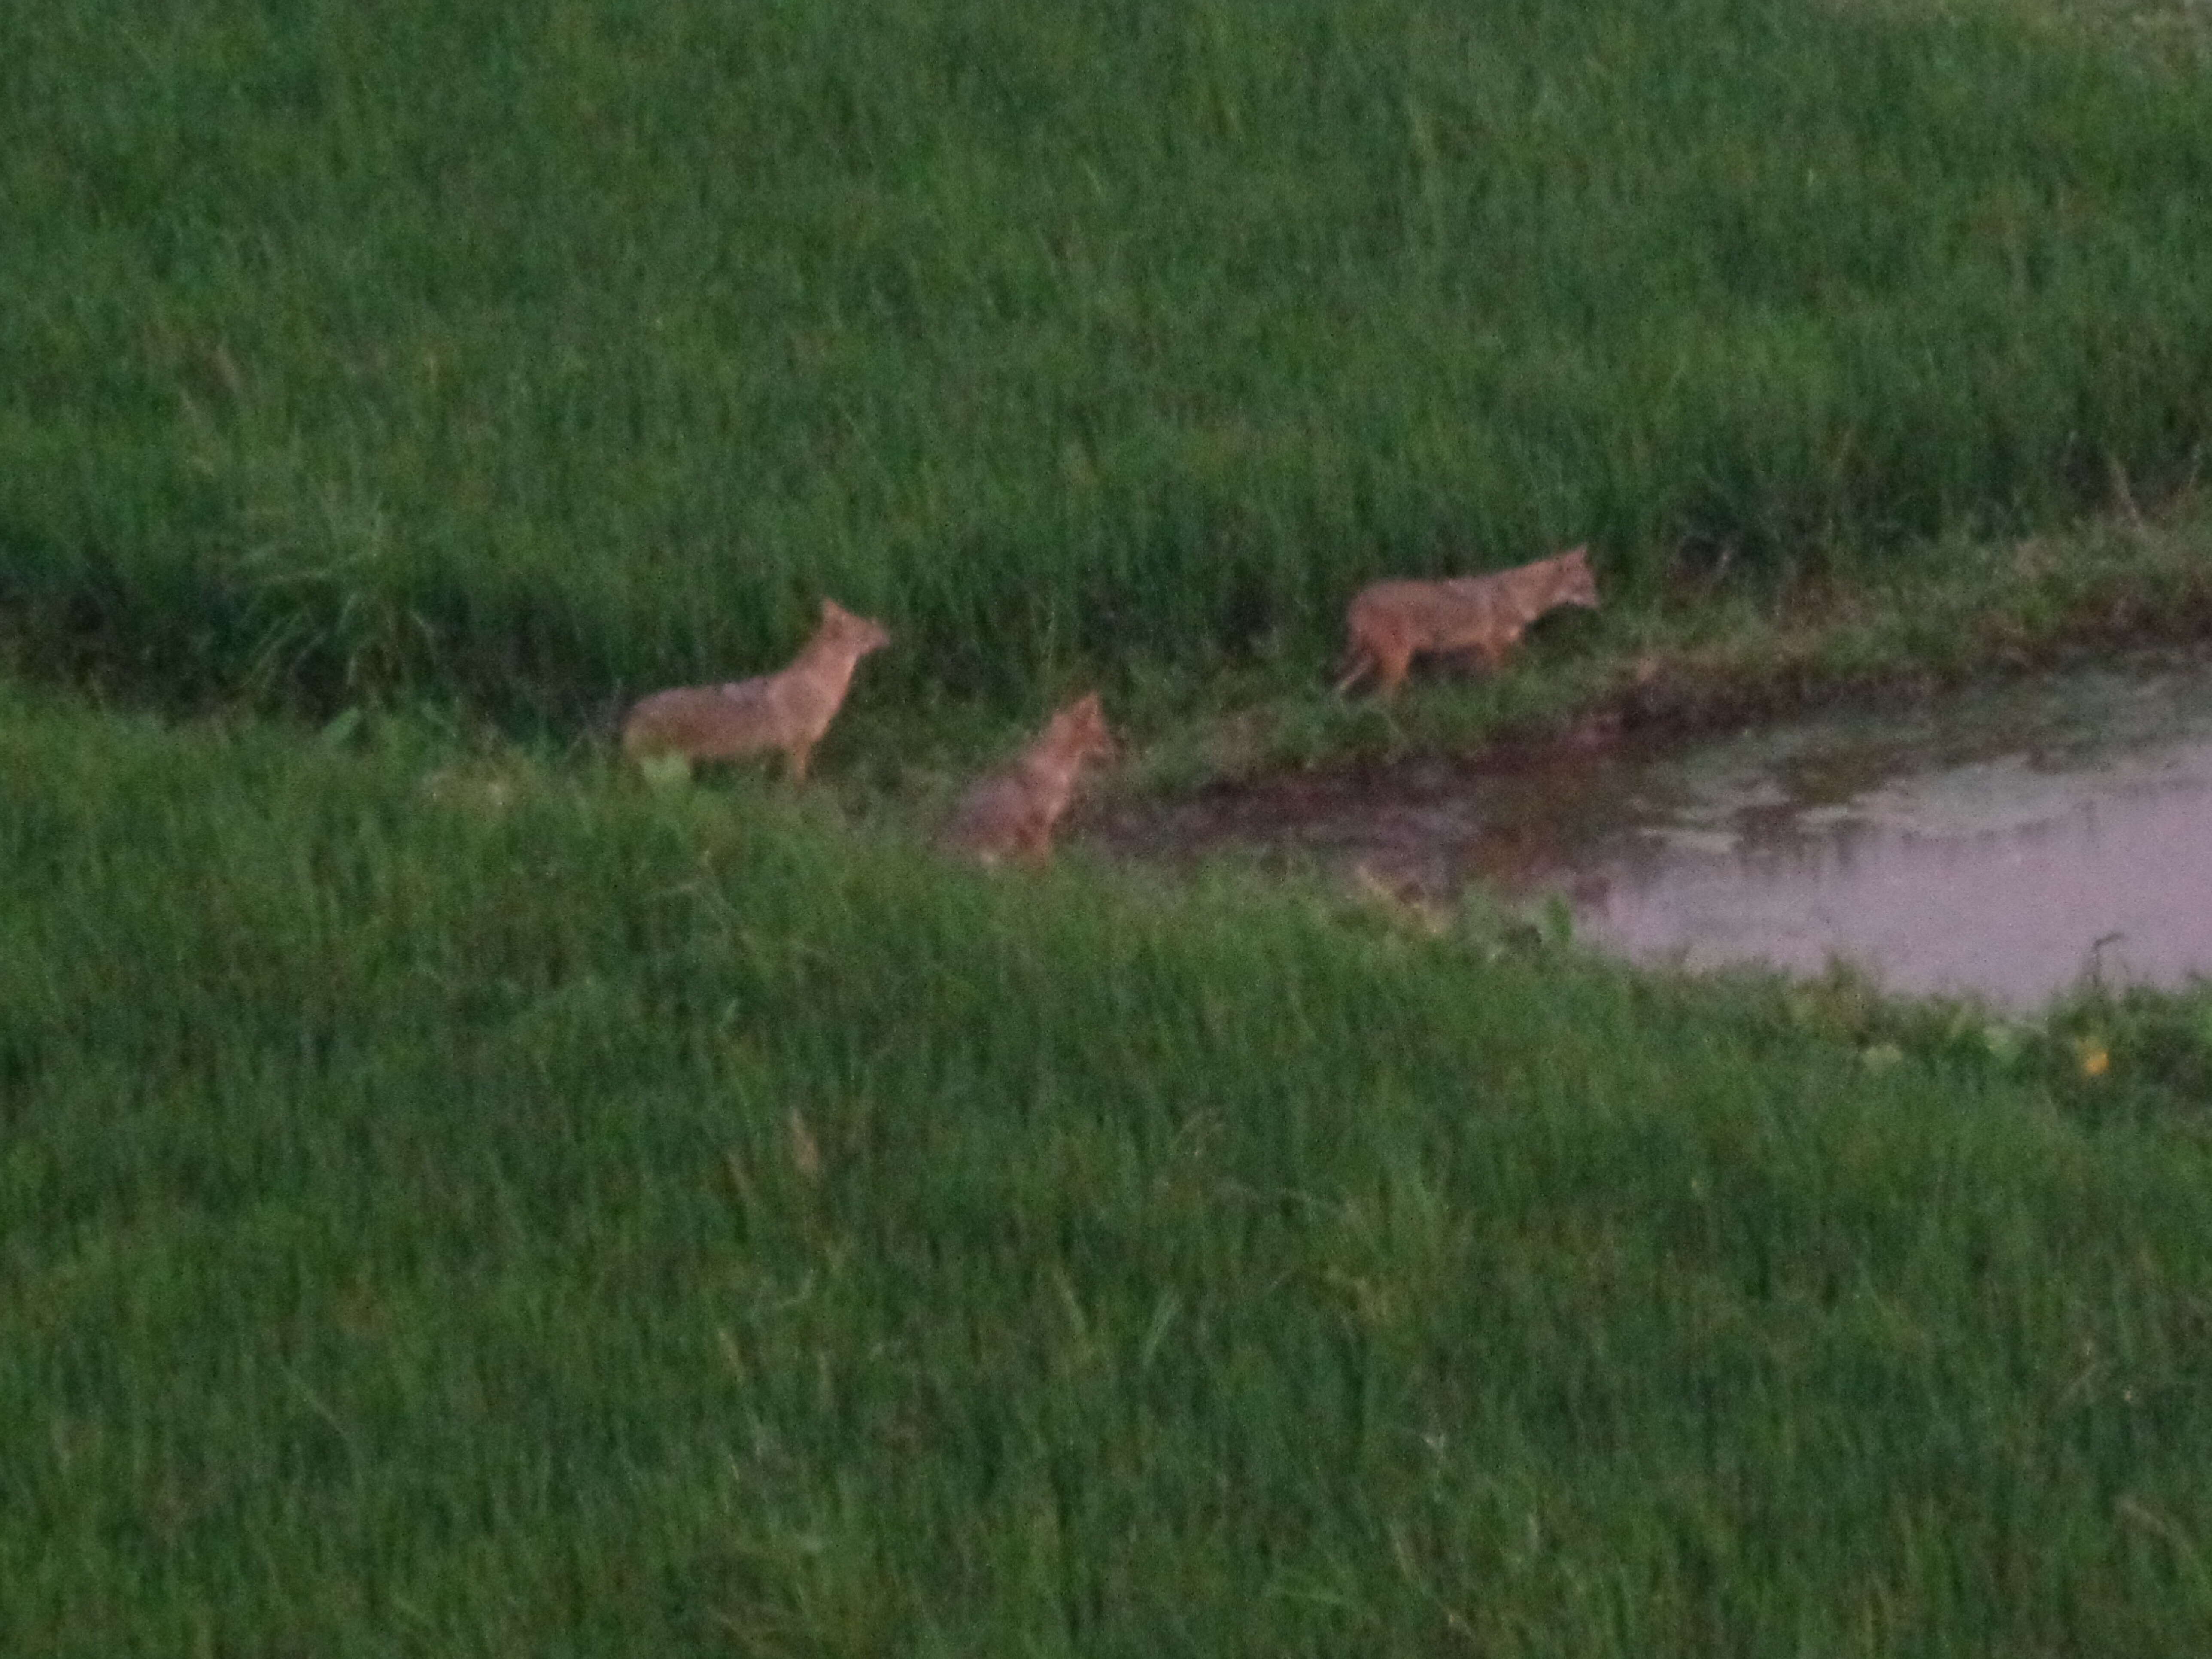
x=539, y=353
x=514, y=1215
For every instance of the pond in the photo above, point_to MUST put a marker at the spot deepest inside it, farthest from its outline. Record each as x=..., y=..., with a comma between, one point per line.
x=2004, y=842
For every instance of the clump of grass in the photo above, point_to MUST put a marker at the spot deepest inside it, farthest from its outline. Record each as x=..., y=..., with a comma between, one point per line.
x=1053, y=336
x=2099, y=1053
x=2131, y=1051
x=557, y=1216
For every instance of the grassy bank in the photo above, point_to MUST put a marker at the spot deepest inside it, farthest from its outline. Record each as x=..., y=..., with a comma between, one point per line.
x=1710, y=651
x=533, y=355
x=456, y=1214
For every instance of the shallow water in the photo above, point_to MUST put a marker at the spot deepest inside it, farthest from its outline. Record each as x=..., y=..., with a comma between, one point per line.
x=2006, y=842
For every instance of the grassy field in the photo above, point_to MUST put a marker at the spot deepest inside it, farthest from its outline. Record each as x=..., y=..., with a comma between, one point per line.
x=457, y=1212
x=537, y=353
x=454, y=1200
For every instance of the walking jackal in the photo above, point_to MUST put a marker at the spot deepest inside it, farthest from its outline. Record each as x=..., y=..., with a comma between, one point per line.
x=1015, y=810
x=789, y=710
x=1390, y=621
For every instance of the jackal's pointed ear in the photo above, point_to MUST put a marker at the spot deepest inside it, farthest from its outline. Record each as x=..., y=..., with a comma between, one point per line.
x=1087, y=705
x=831, y=609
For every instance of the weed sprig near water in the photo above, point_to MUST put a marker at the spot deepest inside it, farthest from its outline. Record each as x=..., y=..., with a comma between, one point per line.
x=468, y=1209
x=538, y=356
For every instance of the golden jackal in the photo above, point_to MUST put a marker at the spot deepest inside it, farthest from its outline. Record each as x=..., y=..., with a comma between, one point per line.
x=1015, y=810
x=789, y=710
x=1390, y=621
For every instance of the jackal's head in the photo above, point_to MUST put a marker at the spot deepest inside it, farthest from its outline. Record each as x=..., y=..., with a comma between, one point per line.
x=856, y=633
x=1079, y=731
x=1572, y=582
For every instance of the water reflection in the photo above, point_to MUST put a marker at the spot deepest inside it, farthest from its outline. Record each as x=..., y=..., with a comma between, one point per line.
x=2004, y=843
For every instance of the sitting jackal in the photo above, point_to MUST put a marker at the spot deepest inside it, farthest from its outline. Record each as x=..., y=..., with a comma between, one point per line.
x=1014, y=811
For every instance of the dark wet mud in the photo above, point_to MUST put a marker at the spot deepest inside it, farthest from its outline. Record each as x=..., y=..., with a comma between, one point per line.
x=2005, y=842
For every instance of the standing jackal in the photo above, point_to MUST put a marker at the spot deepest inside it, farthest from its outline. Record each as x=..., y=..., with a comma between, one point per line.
x=789, y=709
x=1015, y=810
x=1389, y=621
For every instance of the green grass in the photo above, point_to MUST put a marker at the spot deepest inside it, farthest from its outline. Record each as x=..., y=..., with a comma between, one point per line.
x=454, y=1200
x=2172, y=34
x=534, y=355
x=456, y=1208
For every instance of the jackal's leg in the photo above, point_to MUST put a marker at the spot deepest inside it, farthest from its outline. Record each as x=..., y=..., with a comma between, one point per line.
x=1363, y=662
x=798, y=752
x=1394, y=661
